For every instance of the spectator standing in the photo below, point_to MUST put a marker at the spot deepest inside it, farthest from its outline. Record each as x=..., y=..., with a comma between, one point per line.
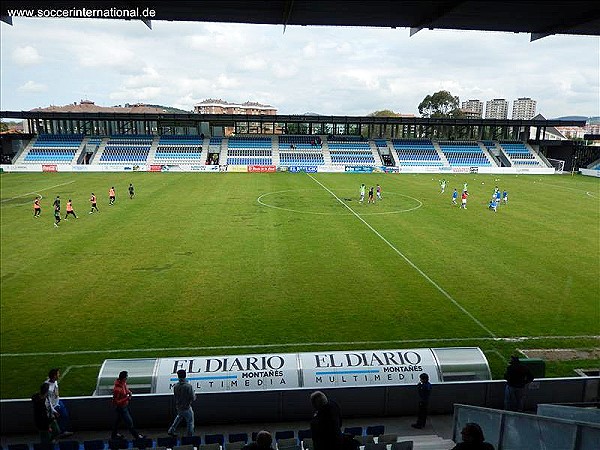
x=121, y=397
x=472, y=436
x=43, y=417
x=264, y=441
x=184, y=396
x=518, y=377
x=56, y=405
x=424, y=391
x=326, y=423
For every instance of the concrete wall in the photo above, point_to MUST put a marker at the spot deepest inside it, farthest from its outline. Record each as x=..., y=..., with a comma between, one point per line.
x=154, y=410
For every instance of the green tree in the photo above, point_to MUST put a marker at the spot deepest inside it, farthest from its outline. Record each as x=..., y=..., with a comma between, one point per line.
x=3, y=127
x=440, y=104
x=383, y=113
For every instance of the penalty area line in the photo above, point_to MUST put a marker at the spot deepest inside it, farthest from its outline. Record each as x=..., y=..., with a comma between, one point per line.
x=35, y=192
x=413, y=265
x=299, y=344
x=68, y=369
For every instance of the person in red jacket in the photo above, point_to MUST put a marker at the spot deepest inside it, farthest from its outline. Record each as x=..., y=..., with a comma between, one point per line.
x=121, y=397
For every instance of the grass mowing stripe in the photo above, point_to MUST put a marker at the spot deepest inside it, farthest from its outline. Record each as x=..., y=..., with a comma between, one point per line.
x=31, y=193
x=566, y=187
x=296, y=344
x=423, y=274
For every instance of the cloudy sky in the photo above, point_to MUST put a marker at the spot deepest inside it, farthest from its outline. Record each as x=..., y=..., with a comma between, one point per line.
x=326, y=70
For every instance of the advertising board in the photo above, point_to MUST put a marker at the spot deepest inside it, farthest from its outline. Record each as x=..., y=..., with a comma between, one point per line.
x=292, y=371
x=262, y=169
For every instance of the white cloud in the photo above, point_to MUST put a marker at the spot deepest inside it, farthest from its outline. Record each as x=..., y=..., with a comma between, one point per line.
x=225, y=82
x=253, y=63
x=309, y=50
x=150, y=76
x=281, y=70
x=33, y=87
x=327, y=70
x=26, y=56
x=145, y=94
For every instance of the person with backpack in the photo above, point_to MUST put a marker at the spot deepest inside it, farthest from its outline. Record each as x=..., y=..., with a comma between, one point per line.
x=43, y=416
x=517, y=376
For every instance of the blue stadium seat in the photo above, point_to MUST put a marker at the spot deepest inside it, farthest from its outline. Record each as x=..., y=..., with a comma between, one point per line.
x=191, y=440
x=214, y=439
x=376, y=430
x=287, y=434
x=168, y=441
x=354, y=431
x=117, y=444
x=302, y=434
x=68, y=445
x=43, y=446
x=238, y=437
x=142, y=443
x=95, y=444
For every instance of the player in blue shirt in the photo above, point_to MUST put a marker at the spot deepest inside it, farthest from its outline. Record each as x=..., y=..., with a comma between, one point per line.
x=454, y=197
x=493, y=205
x=505, y=197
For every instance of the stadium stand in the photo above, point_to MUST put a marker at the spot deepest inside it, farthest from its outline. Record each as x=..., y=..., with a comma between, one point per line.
x=300, y=151
x=280, y=150
x=50, y=148
x=519, y=154
x=179, y=149
x=350, y=150
x=126, y=149
x=250, y=150
x=464, y=153
x=416, y=152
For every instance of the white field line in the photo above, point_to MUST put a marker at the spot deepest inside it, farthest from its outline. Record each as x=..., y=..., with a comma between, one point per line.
x=496, y=352
x=64, y=374
x=298, y=344
x=262, y=202
x=423, y=274
x=31, y=193
x=567, y=187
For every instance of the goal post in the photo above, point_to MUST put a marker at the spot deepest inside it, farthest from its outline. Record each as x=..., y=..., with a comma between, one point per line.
x=558, y=164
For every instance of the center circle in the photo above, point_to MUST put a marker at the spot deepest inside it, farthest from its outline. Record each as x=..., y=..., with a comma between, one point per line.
x=320, y=202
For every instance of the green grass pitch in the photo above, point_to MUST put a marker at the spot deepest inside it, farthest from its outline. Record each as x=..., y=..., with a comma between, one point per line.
x=200, y=264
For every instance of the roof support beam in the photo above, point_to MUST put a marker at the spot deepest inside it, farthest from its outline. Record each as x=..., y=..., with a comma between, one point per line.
x=439, y=12
x=563, y=26
x=287, y=13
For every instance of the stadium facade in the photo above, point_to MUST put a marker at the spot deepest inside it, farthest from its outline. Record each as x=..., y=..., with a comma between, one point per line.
x=116, y=141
